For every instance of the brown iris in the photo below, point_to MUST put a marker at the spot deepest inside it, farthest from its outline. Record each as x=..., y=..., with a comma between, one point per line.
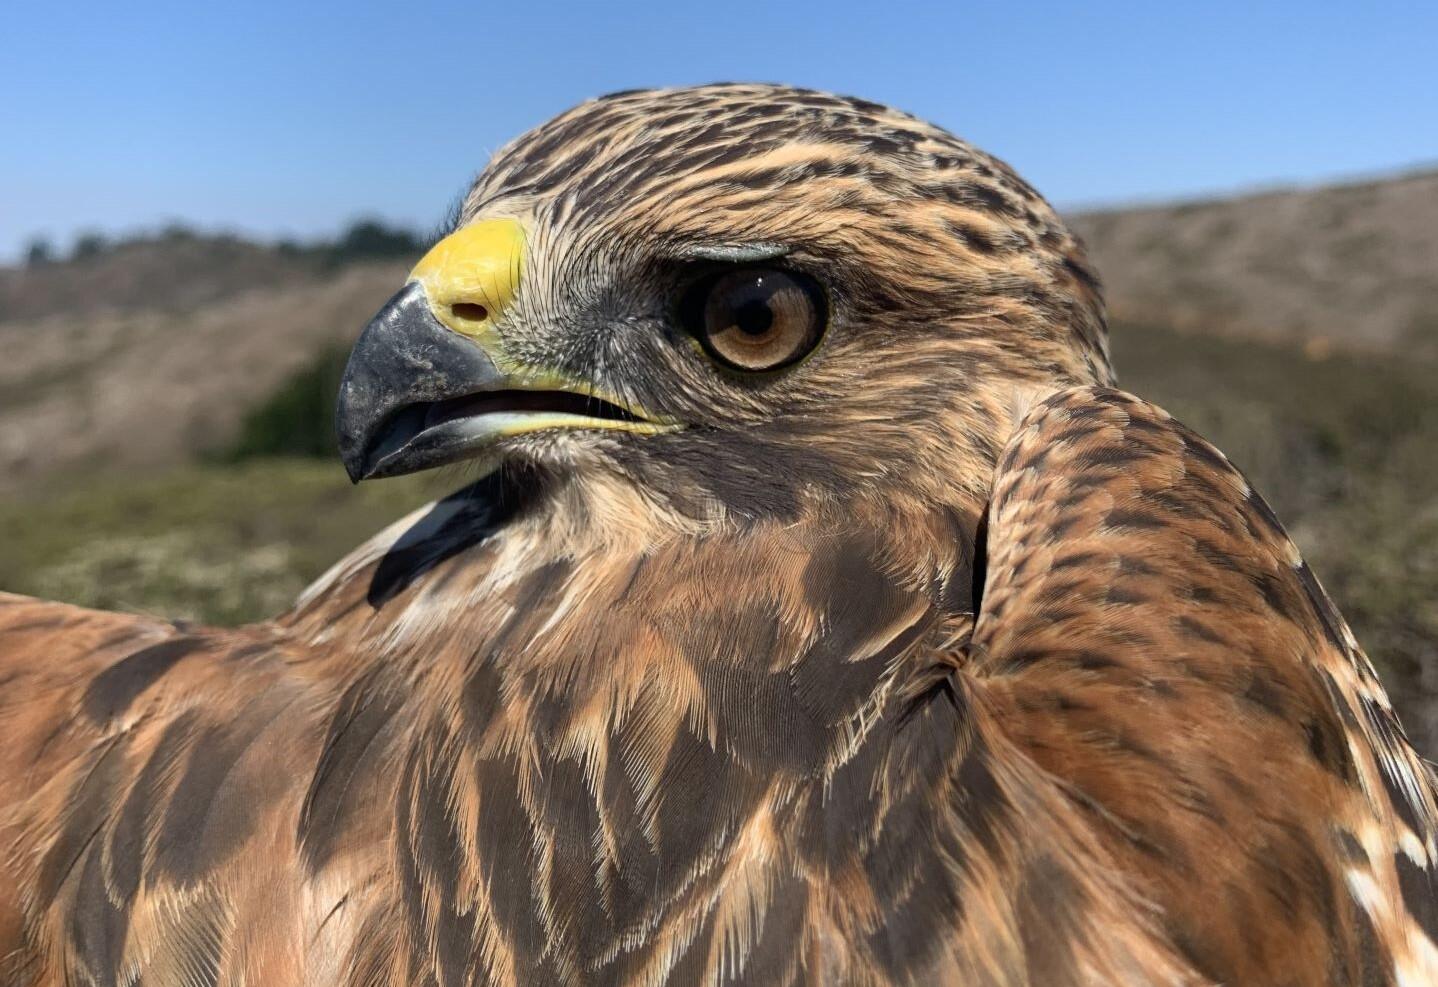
x=756, y=319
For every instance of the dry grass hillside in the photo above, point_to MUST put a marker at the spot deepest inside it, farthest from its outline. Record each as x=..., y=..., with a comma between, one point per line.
x=152, y=354
x=152, y=351
x=1350, y=266
x=1295, y=329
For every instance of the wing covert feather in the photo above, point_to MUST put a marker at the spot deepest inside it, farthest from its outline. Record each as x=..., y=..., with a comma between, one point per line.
x=1151, y=637
x=146, y=806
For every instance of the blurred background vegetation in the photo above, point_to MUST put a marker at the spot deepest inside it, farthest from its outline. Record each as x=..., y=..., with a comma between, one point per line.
x=165, y=414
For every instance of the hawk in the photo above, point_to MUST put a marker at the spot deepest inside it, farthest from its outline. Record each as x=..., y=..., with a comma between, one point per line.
x=817, y=612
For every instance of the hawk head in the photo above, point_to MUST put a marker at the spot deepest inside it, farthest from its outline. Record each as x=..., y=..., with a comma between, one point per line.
x=738, y=299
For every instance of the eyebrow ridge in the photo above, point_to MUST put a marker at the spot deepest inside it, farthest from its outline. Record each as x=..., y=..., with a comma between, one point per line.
x=740, y=253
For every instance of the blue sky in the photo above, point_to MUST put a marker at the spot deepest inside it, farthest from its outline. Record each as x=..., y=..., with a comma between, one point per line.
x=291, y=118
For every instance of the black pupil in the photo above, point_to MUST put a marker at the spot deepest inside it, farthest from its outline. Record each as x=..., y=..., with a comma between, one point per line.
x=754, y=317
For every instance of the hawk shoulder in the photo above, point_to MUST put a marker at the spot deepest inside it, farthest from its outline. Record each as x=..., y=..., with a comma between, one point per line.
x=1150, y=636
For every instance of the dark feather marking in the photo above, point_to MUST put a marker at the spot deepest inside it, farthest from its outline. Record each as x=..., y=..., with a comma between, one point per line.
x=1271, y=525
x=1058, y=529
x=1197, y=594
x=979, y=241
x=214, y=808
x=411, y=887
x=1076, y=560
x=775, y=953
x=636, y=870
x=1036, y=458
x=96, y=926
x=704, y=793
x=1420, y=893
x=1197, y=448
x=1116, y=456
x=48, y=623
x=432, y=842
x=247, y=651
x=482, y=695
x=572, y=820
x=85, y=812
x=1262, y=691
x=754, y=477
x=1381, y=723
x=1329, y=746
x=1374, y=963
x=1133, y=518
x=828, y=838
x=504, y=841
x=1275, y=592
x=1191, y=627
x=113, y=690
x=484, y=507
x=918, y=894
x=126, y=843
x=843, y=581
x=1093, y=661
x=1124, y=595
x=365, y=712
x=535, y=593
x=1083, y=273
x=1048, y=906
x=1132, y=565
x=1352, y=849
x=765, y=727
x=980, y=801
x=1328, y=617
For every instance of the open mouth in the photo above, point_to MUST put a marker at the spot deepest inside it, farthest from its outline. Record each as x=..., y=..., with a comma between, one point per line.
x=552, y=402
x=433, y=433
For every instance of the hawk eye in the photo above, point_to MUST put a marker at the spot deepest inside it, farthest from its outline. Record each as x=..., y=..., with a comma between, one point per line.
x=755, y=318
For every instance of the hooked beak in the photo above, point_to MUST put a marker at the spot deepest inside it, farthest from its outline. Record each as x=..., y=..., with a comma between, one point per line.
x=425, y=383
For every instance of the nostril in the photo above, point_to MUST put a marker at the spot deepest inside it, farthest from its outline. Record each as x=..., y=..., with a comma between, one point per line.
x=469, y=311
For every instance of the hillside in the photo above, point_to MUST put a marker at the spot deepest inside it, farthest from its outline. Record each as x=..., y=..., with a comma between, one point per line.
x=154, y=387
x=152, y=351
x=1351, y=266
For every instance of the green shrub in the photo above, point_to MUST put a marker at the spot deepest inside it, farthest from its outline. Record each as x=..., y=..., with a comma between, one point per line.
x=298, y=418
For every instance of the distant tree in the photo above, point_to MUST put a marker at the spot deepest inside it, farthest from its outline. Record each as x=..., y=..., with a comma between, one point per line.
x=175, y=231
x=371, y=239
x=39, y=253
x=89, y=245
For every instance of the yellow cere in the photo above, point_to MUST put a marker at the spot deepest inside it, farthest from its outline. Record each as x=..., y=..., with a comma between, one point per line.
x=473, y=274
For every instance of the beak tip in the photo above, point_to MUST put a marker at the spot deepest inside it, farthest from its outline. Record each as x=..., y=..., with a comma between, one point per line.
x=350, y=449
x=356, y=466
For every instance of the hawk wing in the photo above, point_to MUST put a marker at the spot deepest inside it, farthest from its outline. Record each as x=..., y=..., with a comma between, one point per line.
x=1151, y=638
x=146, y=806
